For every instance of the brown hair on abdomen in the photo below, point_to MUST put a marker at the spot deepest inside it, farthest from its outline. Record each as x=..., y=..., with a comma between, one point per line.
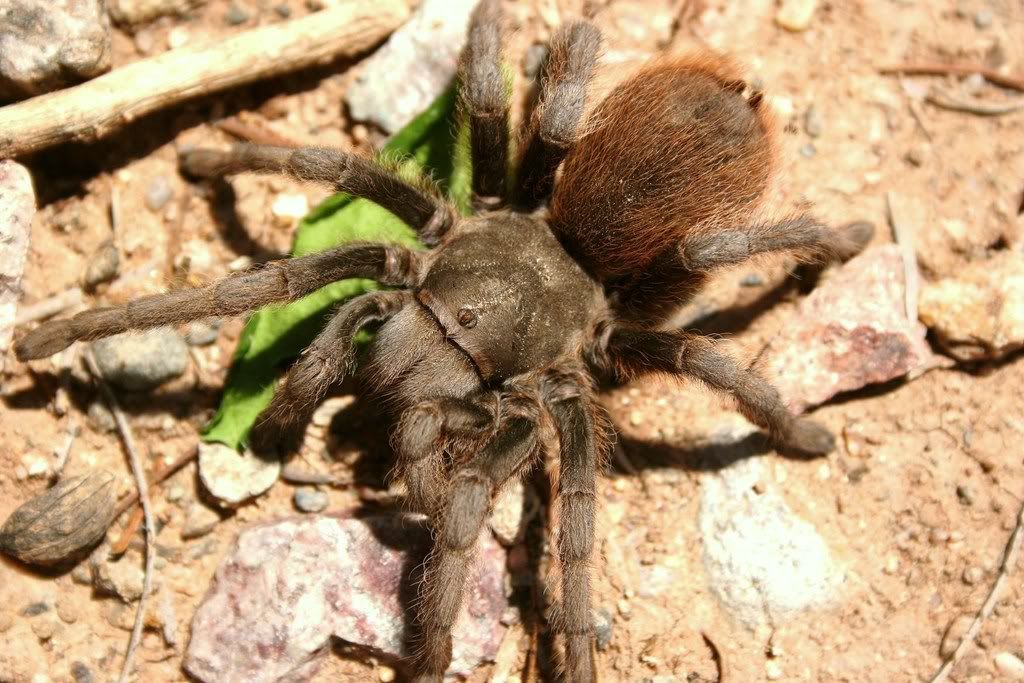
x=676, y=149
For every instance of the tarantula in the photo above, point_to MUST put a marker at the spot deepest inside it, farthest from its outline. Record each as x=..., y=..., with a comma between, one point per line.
x=492, y=341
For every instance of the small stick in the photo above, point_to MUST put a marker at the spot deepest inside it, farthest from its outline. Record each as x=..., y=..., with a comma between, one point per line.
x=49, y=307
x=159, y=476
x=945, y=100
x=65, y=451
x=930, y=69
x=1005, y=569
x=904, y=237
x=717, y=655
x=119, y=546
x=98, y=107
x=147, y=512
x=254, y=132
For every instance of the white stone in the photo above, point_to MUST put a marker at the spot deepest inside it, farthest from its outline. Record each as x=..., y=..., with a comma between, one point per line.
x=17, y=207
x=234, y=477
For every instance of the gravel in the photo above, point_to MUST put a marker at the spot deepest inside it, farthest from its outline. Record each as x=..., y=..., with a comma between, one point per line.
x=309, y=499
x=158, y=193
x=103, y=266
x=142, y=361
x=233, y=477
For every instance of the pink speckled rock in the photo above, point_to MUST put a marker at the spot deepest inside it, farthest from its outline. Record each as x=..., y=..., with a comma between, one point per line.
x=850, y=332
x=17, y=207
x=288, y=587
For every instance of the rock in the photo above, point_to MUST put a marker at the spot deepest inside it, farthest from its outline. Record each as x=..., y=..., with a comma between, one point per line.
x=513, y=510
x=234, y=477
x=808, y=151
x=202, y=332
x=415, y=66
x=309, y=499
x=199, y=521
x=1010, y=665
x=142, y=361
x=795, y=15
x=158, y=193
x=604, y=625
x=123, y=577
x=850, y=332
x=49, y=44
x=983, y=18
x=236, y=15
x=103, y=265
x=979, y=313
x=764, y=563
x=17, y=207
x=288, y=587
x=99, y=416
x=130, y=12
x=81, y=673
x=972, y=576
x=288, y=208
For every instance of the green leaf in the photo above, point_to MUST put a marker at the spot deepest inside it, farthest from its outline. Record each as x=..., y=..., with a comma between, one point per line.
x=432, y=143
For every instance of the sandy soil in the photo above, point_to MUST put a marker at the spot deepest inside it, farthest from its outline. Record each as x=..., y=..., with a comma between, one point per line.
x=917, y=502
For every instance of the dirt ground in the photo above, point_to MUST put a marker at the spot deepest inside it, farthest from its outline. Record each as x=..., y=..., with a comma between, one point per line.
x=917, y=502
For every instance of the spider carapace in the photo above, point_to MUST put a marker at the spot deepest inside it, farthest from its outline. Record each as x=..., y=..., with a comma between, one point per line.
x=492, y=341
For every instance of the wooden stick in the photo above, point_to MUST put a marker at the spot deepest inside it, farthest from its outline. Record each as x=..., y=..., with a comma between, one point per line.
x=1006, y=568
x=49, y=307
x=128, y=440
x=904, y=236
x=98, y=107
x=930, y=69
x=160, y=473
x=945, y=100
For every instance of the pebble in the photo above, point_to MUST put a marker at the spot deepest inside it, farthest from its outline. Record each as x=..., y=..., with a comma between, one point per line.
x=416, y=64
x=202, y=332
x=66, y=611
x=973, y=575
x=158, y=193
x=56, y=44
x=309, y=499
x=752, y=280
x=133, y=12
x=809, y=150
x=271, y=611
x=236, y=15
x=1010, y=665
x=763, y=562
x=813, y=125
x=144, y=41
x=81, y=673
x=99, y=416
x=283, y=11
x=103, y=266
x=122, y=577
x=979, y=313
x=35, y=609
x=17, y=208
x=142, y=361
x=604, y=626
x=795, y=15
x=177, y=37
x=385, y=674
x=772, y=670
x=234, y=477
x=44, y=627
x=983, y=18
x=289, y=207
x=199, y=521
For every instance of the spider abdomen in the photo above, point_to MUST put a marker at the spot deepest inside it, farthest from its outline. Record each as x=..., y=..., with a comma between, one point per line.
x=676, y=149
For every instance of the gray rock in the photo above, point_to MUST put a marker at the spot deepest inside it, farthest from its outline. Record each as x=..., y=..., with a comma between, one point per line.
x=808, y=151
x=850, y=332
x=979, y=313
x=416, y=64
x=813, y=125
x=49, y=44
x=309, y=499
x=202, y=332
x=199, y=521
x=17, y=207
x=103, y=265
x=236, y=15
x=764, y=563
x=234, y=477
x=288, y=587
x=158, y=193
x=142, y=361
x=99, y=416
x=131, y=12
x=604, y=625
x=81, y=673
x=983, y=18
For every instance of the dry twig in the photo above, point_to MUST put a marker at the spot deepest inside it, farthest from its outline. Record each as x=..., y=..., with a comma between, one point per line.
x=904, y=237
x=717, y=655
x=98, y=107
x=929, y=69
x=49, y=307
x=1005, y=569
x=946, y=100
x=160, y=473
x=253, y=130
x=147, y=511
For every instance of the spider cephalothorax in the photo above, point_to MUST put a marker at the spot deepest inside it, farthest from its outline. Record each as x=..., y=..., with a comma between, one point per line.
x=490, y=340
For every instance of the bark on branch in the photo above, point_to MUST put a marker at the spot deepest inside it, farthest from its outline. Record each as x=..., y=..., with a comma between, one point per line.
x=98, y=107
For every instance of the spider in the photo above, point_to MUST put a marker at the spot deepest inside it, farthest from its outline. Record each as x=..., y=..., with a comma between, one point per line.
x=492, y=342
